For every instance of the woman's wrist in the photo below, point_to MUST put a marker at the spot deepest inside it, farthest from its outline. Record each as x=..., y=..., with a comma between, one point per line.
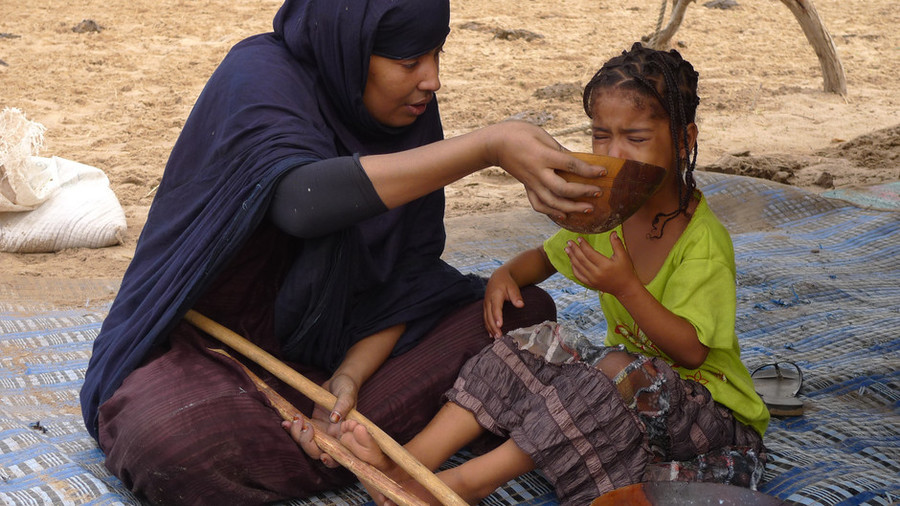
x=491, y=143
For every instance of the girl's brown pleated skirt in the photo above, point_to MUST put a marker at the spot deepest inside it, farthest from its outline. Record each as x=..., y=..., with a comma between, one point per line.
x=589, y=434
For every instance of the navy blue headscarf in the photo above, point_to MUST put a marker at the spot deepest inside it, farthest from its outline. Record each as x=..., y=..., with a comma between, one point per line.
x=279, y=101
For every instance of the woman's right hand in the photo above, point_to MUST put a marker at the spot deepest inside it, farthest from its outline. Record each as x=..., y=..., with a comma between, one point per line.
x=525, y=151
x=532, y=156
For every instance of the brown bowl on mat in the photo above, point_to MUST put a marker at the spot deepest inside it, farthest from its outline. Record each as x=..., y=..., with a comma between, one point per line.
x=624, y=189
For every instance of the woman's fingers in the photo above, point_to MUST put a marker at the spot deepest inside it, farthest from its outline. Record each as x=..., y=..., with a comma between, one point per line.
x=552, y=195
x=345, y=390
x=533, y=157
x=303, y=432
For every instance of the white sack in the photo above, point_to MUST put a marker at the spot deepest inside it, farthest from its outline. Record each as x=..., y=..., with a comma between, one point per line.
x=82, y=213
x=49, y=204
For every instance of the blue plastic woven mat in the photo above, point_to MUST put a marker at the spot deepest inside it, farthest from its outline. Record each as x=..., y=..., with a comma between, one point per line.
x=818, y=284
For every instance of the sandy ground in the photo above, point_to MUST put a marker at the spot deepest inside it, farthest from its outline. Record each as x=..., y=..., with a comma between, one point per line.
x=114, y=92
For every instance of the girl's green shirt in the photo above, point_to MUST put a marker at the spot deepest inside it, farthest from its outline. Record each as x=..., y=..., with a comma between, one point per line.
x=697, y=283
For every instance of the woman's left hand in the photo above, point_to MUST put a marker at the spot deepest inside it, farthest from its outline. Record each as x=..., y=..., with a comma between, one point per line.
x=303, y=431
x=345, y=389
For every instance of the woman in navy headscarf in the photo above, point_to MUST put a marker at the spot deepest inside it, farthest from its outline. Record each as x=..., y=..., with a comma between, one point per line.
x=302, y=206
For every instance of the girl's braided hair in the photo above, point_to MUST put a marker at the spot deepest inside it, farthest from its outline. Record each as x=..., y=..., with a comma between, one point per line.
x=672, y=81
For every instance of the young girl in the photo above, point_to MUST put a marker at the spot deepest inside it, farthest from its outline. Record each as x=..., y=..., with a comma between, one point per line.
x=669, y=387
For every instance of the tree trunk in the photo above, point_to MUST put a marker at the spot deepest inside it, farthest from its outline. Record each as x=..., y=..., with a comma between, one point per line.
x=660, y=39
x=813, y=28
x=818, y=36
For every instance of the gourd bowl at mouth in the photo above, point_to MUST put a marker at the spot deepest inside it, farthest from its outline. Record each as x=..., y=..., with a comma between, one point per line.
x=624, y=189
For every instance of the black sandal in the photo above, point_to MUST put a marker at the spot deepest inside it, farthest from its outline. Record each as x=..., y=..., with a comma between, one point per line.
x=778, y=386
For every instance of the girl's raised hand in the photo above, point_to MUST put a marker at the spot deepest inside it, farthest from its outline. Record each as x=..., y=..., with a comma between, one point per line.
x=613, y=275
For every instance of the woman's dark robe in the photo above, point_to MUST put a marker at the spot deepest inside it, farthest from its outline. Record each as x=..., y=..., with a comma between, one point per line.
x=279, y=101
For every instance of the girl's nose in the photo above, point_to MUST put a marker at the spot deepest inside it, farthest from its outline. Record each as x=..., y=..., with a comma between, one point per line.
x=616, y=149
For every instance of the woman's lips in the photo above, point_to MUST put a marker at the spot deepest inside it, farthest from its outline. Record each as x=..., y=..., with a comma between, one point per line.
x=418, y=110
x=419, y=107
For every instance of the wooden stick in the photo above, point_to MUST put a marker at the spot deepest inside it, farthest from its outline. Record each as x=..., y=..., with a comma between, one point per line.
x=363, y=470
x=323, y=397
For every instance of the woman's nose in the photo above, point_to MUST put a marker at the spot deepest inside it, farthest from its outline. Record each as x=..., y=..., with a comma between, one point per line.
x=430, y=79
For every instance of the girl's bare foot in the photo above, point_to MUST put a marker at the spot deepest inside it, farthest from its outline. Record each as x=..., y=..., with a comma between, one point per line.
x=356, y=438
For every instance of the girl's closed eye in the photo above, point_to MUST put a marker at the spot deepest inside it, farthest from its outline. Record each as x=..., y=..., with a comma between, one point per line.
x=601, y=134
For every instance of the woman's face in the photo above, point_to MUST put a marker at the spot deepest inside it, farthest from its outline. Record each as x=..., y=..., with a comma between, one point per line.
x=398, y=91
x=627, y=125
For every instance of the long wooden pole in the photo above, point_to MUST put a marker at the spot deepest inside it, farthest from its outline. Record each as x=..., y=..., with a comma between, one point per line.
x=323, y=397
x=363, y=470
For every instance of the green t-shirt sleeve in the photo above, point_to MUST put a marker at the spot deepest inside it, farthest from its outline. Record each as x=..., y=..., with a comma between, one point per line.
x=702, y=291
x=700, y=285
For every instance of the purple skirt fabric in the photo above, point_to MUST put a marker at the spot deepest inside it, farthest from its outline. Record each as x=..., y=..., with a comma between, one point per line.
x=189, y=427
x=591, y=433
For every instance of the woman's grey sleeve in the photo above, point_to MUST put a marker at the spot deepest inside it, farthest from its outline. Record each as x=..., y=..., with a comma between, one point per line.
x=321, y=197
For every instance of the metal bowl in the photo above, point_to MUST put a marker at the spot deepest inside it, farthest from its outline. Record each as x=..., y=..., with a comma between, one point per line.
x=624, y=189
x=685, y=493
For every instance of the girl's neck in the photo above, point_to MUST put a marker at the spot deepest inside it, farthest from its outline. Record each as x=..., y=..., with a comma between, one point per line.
x=665, y=201
x=647, y=248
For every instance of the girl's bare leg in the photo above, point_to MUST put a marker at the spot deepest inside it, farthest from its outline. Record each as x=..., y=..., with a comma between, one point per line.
x=479, y=477
x=451, y=429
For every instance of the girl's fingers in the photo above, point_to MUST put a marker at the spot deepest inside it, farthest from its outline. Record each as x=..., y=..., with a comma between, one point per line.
x=487, y=314
x=576, y=255
x=494, y=298
x=616, y=242
x=515, y=296
x=494, y=317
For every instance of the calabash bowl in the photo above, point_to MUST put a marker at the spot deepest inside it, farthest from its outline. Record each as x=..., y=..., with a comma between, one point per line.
x=624, y=189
